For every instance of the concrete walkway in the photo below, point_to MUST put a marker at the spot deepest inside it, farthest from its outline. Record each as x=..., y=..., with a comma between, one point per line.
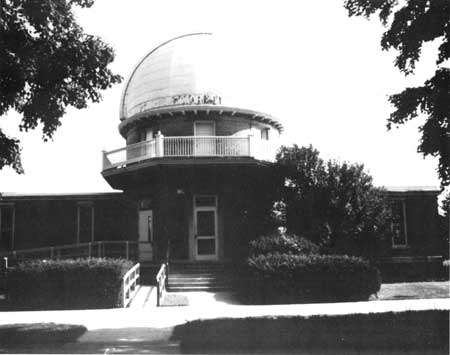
x=148, y=330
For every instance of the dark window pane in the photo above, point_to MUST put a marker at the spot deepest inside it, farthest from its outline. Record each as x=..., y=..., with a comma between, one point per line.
x=206, y=246
x=398, y=225
x=265, y=134
x=7, y=217
x=6, y=230
x=205, y=223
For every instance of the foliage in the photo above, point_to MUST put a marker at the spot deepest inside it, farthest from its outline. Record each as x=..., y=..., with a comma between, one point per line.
x=47, y=64
x=332, y=204
x=412, y=24
x=387, y=332
x=288, y=278
x=282, y=243
x=67, y=284
x=444, y=225
x=39, y=333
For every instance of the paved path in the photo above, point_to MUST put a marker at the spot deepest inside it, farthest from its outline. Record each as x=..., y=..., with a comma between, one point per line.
x=148, y=330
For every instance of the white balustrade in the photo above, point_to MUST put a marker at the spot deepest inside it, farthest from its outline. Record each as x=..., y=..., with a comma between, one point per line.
x=191, y=146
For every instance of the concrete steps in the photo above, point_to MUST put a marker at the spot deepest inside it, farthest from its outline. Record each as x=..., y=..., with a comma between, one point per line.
x=199, y=276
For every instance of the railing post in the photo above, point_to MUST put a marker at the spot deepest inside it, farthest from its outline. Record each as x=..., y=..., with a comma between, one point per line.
x=125, y=288
x=157, y=294
x=159, y=144
x=6, y=262
x=127, y=255
x=99, y=249
x=51, y=252
x=90, y=249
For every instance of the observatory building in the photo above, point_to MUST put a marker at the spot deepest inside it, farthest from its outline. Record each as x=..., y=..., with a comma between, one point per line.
x=191, y=161
x=194, y=171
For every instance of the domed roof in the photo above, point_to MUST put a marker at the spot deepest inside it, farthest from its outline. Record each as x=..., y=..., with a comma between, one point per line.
x=178, y=72
x=184, y=72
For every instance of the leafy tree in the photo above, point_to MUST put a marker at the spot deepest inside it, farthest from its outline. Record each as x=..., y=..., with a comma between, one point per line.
x=47, y=64
x=333, y=204
x=444, y=225
x=410, y=25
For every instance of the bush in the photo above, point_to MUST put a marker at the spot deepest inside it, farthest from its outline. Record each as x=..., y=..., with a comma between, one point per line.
x=374, y=333
x=283, y=244
x=67, y=284
x=39, y=333
x=287, y=278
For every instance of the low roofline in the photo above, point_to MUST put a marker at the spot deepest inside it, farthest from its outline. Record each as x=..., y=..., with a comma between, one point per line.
x=10, y=196
x=412, y=190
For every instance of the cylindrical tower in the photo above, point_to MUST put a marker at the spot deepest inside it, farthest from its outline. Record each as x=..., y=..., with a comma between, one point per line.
x=194, y=162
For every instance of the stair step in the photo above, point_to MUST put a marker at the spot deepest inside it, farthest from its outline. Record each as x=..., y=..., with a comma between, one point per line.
x=173, y=274
x=188, y=284
x=203, y=276
x=197, y=288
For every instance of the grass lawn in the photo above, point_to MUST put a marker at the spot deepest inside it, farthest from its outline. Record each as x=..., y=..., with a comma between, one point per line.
x=414, y=290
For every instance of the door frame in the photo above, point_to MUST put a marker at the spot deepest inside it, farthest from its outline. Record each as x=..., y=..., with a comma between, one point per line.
x=214, y=208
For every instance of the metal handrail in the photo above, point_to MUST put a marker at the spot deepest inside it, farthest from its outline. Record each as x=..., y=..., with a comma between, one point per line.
x=161, y=280
x=130, y=283
x=90, y=249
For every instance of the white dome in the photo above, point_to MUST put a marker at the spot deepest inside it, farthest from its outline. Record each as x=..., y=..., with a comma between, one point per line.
x=183, y=71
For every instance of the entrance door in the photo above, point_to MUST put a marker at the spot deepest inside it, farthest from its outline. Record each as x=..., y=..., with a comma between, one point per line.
x=204, y=138
x=145, y=235
x=205, y=220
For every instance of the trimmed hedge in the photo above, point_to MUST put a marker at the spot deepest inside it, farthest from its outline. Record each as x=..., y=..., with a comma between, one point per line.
x=287, y=278
x=67, y=284
x=389, y=331
x=283, y=244
x=39, y=333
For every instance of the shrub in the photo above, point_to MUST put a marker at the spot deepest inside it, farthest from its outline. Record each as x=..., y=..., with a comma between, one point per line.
x=283, y=244
x=39, y=333
x=333, y=204
x=287, y=278
x=374, y=333
x=67, y=284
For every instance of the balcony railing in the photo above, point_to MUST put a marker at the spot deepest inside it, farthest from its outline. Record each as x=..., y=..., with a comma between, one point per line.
x=192, y=146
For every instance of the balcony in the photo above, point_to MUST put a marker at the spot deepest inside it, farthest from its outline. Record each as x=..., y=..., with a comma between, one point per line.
x=189, y=147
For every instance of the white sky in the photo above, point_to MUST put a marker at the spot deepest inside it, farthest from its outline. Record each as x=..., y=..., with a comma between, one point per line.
x=320, y=72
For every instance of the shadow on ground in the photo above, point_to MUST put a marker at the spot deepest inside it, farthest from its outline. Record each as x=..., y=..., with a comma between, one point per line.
x=109, y=341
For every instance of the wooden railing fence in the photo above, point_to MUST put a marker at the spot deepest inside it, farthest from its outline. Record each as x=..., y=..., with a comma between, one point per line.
x=130, y=284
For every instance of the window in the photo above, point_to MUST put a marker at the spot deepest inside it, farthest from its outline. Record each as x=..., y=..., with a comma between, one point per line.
x=85, y=227
x=204, y=128
x=146, y=135
x=7, y=219
x=398, y=226
x=265, y=134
